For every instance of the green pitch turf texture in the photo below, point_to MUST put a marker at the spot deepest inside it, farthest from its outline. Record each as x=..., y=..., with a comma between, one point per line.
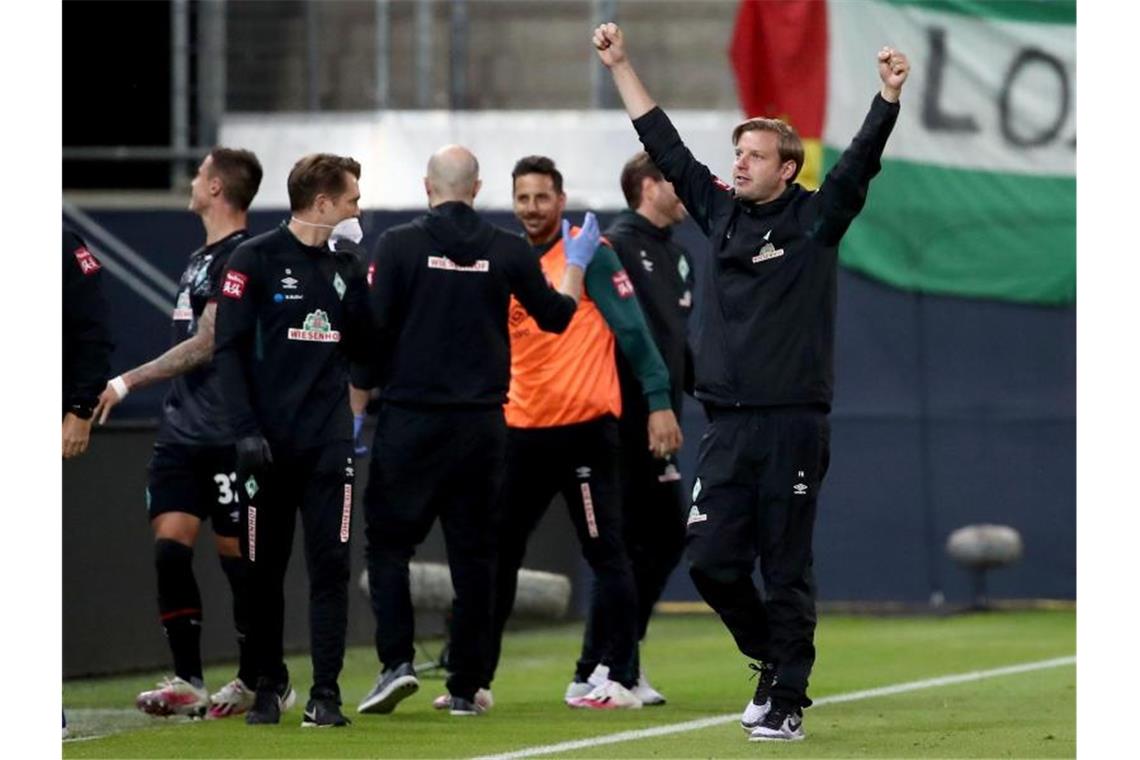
x=693, y=661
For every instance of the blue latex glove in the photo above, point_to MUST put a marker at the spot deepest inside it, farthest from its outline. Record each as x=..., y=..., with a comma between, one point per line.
x=580, y=250
x=358, y=448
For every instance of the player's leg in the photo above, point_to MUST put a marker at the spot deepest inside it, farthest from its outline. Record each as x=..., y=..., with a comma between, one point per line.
x=529, y=484
x=173, y=499
x=326, y=514
x=592, y=490
x=470, y=492
x=407, y=455
x=235, y=697
x=654, y=523
x=790, y=485
x=721, y=543
x=269, y=505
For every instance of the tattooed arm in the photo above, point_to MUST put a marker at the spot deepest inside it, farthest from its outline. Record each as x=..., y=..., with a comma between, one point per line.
x=193, y=352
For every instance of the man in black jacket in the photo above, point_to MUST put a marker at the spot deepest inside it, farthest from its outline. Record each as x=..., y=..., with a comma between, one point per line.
x=662, y=277
x=440, y=296
x=763, y=357
x=86, y=342
x=290, y=316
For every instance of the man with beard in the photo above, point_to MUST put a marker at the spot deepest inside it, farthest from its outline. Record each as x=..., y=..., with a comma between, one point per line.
x=562, y=412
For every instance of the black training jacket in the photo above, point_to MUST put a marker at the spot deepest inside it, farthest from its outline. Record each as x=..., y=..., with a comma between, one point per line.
x=290, y=316
x=662, y=280
x=86, y=336
x=765, y=332
x=440, y=296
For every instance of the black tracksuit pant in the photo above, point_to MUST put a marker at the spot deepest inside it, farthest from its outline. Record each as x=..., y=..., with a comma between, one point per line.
x=759, y=472
x=430, y=462
x=579, y=461
x=653, y=520
x=319, y=483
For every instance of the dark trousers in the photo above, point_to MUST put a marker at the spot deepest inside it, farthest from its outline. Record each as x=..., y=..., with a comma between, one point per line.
x=429, y=463
x=653, y=520
x=319, y=483
x=759, y=472
x=581, y=462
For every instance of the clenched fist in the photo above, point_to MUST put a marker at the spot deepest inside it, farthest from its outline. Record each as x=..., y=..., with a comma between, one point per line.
x=893, y=70
x=610, y=44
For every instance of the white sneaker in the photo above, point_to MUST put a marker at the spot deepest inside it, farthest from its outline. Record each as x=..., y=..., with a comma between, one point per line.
x=174, y=697
x=646, y=693
x=576, y=690
x=234, y=698
x=753, y=715
x=579, y=689
x=609, y=696
x=780, y=725
x=483, y=700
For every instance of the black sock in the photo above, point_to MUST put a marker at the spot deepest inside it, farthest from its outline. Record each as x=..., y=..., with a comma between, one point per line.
x=180, y=607
x=238, y=576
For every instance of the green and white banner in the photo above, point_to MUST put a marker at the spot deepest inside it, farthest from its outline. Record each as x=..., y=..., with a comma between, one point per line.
x=977, y=196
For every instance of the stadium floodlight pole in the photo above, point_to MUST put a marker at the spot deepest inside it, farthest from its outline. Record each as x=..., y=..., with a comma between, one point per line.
x=423, y=53
x=601, y=90
x=313, y=55
x=179, y=86
x=460, y=32
x=383, y=28
x=211, y=60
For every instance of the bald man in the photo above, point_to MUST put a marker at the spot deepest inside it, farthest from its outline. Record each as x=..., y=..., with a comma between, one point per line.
x=440, y=294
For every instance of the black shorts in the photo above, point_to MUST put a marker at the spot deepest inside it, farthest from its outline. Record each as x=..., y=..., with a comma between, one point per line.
x=197, y=480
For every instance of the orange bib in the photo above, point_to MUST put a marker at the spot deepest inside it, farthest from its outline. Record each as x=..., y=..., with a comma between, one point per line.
x=561, y=379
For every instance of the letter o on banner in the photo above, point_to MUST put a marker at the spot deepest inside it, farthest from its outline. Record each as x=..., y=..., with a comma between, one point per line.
x=1023, y=59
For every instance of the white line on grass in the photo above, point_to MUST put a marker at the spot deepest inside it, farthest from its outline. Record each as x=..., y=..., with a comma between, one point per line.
x=696, y=725
x=86, y=724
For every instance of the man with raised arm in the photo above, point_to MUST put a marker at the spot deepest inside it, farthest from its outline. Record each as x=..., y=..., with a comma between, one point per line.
x=763, y=352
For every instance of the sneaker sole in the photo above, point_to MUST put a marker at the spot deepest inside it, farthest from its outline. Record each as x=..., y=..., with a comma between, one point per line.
x=385, y=702
x=218, y=713
x=160, y=709
x=798, y=738
x=583, y=704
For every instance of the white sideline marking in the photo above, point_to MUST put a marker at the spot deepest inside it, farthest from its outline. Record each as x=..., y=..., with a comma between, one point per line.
x=695, y=725
x=86, y=724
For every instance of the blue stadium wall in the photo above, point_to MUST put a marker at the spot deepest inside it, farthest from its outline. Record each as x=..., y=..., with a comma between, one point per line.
x=948, y=412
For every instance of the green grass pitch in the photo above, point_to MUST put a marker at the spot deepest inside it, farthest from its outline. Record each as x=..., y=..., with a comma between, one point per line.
x=692, y=660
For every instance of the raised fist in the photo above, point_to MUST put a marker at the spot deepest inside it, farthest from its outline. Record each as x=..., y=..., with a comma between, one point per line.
x=893, y=70
x=610, y=44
